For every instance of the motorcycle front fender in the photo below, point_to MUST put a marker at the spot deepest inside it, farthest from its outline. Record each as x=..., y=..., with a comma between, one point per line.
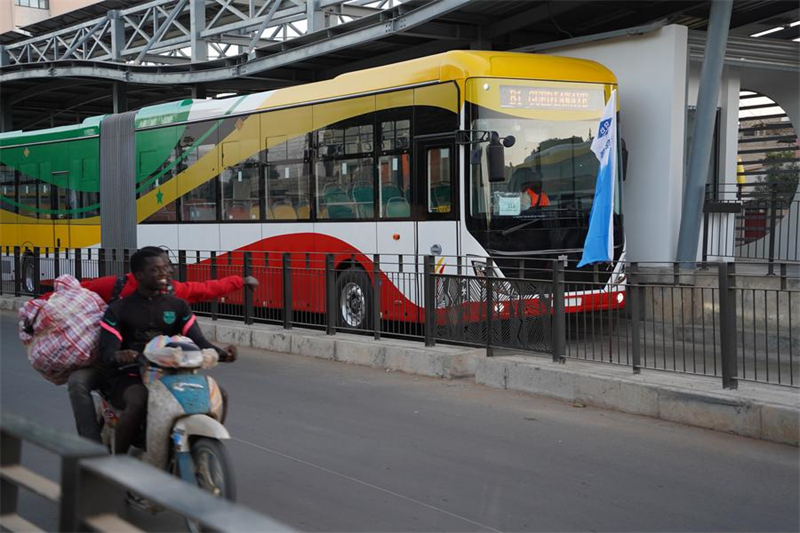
x=197, y=426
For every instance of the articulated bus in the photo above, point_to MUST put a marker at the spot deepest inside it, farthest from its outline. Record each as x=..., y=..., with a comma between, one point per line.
x=433, y=156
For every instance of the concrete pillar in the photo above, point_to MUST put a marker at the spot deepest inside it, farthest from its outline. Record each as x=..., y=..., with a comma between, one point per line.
x=117, y=35
x=710, y=80
x=199, y=92
x=197, y=10
x=120, y=97
x=6, y=120
x=315, y=16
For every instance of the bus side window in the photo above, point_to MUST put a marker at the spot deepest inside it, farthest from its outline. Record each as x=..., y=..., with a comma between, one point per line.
x=439, y=180
x=394, y=164
x=286, y=178
x=8, y=188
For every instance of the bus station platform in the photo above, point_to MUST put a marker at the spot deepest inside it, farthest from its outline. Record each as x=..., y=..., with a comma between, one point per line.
x=760, y=411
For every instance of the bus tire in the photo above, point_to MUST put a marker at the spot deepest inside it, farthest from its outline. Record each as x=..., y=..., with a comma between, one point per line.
x=354, y=299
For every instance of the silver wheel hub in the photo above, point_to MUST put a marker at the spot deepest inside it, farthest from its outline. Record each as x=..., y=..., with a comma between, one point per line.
x=353, y=304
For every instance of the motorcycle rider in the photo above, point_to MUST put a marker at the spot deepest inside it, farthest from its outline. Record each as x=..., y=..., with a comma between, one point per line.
x=128, y=325
x=82, y=381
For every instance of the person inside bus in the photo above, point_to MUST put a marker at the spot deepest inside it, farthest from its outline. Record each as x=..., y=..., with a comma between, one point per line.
x=128, y=325
x=532, y=187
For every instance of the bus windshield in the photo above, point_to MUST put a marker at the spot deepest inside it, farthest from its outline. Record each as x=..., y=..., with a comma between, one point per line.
x=550, y=171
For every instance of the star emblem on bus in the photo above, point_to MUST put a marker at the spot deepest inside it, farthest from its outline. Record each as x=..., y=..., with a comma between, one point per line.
x=159, y=197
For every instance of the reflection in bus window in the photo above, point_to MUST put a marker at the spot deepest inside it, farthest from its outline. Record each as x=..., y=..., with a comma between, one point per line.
x=395, y=135
x=439, y=180
x=395, y=186
x=200, y=204
x=8, y=188
x=239, y=185
x=287, y=178
x=345, y=189
x=287, y=191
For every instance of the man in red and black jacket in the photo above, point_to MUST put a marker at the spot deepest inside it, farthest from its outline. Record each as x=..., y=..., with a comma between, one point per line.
x=83, y=381
x=128, y=325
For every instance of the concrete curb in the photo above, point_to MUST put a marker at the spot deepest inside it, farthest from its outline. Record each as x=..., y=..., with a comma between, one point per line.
x=447, y=362
x=754, y=410
x=683, y=399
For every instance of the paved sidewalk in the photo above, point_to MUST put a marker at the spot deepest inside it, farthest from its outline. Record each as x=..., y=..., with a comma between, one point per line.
x=759, y=411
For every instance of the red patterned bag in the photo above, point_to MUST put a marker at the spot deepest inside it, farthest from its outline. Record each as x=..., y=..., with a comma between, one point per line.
x=62, y=334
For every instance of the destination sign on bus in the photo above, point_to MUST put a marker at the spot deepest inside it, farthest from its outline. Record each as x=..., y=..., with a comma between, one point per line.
x=521, y=97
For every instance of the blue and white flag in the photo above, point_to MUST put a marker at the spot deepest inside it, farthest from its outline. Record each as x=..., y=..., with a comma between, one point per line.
x=599, y=245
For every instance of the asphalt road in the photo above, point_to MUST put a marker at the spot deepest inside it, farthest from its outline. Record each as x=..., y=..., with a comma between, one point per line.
x=324, y=446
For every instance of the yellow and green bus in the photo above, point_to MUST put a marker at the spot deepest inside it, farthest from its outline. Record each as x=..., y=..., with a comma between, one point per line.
x=428, y=156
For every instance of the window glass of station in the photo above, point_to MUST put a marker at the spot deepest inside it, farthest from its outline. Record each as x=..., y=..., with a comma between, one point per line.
x=345, y=178
x=288, y=178
x=36, y=4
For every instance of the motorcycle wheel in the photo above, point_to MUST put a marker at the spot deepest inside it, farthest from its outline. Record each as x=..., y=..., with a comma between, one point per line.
x=214, y=472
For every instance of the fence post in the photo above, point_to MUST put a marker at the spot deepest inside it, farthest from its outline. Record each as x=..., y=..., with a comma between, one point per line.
x=376, y=295
x=706, y=230
x=430, y=300
x=248, y=291
x=17, y=272
x=11, y=447
x=78, y=263
x=330, y=296
x=727, y=324
x=37, y=271
x=287, y=291
x=215, y=301
x=635, y=303
x=489, y=307
x=182, y=265
x=772, y=224
x=56, y=263
x=559, y=316
x=101, y=262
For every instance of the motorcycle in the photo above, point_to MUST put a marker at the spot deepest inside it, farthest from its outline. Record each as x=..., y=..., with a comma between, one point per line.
x=184, y=432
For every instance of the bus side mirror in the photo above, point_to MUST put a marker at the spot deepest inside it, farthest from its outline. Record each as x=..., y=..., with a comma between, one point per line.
x=624, y=151
x=496, y=159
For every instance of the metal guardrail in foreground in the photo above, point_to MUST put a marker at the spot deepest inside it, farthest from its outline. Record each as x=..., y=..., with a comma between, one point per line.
x=93, y=484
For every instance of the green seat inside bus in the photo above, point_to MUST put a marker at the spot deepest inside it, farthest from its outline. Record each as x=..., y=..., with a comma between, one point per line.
x=398, y=208
x=337, y=202
x=362, y=193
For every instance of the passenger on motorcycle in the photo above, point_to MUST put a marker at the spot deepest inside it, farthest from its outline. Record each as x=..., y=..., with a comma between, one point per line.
x=84, y=380
x=128, y=325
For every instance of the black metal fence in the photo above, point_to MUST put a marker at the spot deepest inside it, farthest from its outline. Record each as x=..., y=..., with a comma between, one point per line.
x=93, y=484
x=726, y=320
x=757, y=221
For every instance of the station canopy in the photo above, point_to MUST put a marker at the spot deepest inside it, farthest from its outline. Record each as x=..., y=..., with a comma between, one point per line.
x=64, y=69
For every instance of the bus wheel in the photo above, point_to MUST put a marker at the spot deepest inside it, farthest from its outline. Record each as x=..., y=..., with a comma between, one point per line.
x=354, y=291
x=28, y=281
